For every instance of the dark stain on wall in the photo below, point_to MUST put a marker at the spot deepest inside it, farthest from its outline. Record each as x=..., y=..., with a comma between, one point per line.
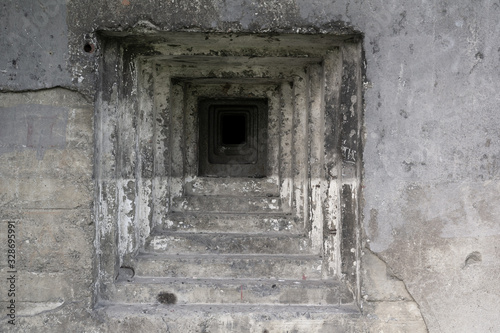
x=33, y=127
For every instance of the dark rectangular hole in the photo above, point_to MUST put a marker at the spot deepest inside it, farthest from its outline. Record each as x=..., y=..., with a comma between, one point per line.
x=232, y=137
x=233, y=129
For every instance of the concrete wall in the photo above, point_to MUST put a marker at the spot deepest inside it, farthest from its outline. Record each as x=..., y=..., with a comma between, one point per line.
x=431, y=157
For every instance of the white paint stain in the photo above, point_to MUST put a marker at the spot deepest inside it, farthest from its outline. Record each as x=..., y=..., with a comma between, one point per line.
x=159, y=244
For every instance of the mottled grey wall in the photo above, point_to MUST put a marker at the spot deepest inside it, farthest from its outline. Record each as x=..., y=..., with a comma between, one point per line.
x=34, y=44
x=431, y=178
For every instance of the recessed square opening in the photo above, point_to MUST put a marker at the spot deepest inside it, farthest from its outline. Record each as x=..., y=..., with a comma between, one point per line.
x=233, y=137
x=315, y=78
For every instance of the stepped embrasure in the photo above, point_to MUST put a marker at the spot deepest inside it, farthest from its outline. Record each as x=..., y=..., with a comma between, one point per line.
x=227, y=241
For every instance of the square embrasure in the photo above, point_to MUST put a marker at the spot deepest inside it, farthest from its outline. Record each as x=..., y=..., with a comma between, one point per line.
x=233, y=137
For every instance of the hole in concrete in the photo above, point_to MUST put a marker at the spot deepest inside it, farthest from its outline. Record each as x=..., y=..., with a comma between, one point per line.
x=89, y=47
x=233, y=137
x=233, y=128
x=473, y=258
x=125, y=274
x=248, y=87
x=167, y=298
x=265, y=331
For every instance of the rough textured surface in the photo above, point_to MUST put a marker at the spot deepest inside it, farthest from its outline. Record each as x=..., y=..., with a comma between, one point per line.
x=36, y=35
x=162, y=77
x=431, y=160
x=46, y=189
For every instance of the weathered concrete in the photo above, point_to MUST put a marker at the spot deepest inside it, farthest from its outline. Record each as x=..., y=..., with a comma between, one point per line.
x=431, y=161
x=151, y=258
x=46, y=189
x=233, y=291
x=236, y=223
x=36, y=36
x=229, y=266
x=217, y=242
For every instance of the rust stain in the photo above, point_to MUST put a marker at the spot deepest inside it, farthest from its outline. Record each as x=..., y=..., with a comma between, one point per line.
x=126, y=2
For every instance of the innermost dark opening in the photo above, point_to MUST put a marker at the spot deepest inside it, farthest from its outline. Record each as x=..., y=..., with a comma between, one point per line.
x=233, y=129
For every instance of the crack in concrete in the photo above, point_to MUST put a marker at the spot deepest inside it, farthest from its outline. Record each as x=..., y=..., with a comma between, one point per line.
x=87, y=98
x=394, y=276
x=390, y=272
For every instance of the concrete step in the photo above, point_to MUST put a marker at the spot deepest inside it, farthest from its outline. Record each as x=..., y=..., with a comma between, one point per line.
x=229, y=266
x=231, y=291
x=230, y=186
x=227, y=243
x=240, y=223
x=226, y=204
x=231, y=318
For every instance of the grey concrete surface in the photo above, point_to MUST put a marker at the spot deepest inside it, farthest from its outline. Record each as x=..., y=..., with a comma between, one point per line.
x=34, y=45
x=431, y=156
